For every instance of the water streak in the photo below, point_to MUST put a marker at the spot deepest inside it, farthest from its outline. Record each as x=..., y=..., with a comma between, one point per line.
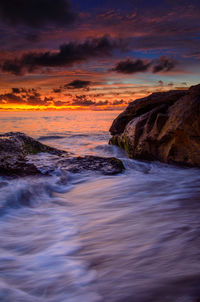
x=133, y=237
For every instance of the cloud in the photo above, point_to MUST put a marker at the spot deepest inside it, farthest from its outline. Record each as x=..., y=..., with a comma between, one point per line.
x=36, y=13
x=102, y=103
x=115, y=103
x=60, y=103
x=10, y=98
x=81, y=100
x=77, y=84
x=129, y=66
x=31, y=97
x=68, y=55
x=22, y=90
x=38, y=101
x=16, y=90
x=164, y=64
x=57, y=90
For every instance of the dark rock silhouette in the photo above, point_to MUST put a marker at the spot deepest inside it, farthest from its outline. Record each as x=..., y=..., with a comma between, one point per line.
x=164, y=126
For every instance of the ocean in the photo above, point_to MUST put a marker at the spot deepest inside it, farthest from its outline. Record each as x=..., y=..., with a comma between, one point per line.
x=132, y=237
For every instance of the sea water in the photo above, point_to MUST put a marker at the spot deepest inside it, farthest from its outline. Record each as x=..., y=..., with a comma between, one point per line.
x=132, y=237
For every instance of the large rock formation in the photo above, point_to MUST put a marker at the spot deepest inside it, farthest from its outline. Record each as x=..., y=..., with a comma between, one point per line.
x=164, y=126
x=15, y=147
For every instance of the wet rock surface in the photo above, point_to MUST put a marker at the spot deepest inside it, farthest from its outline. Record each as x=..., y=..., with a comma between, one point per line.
x=164, y=126
x=16, y=166
x=22, y=145
x=16, y=149
x=107, y=166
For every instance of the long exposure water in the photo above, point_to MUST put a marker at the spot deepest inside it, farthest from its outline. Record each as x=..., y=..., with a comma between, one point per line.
x=133, y=237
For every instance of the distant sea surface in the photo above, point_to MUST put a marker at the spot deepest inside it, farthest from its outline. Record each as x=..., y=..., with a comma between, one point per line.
x=133, y=237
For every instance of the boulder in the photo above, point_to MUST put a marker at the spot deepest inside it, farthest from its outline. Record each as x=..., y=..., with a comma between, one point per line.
x=21, y=144
x=14, y=148
x=164, y=126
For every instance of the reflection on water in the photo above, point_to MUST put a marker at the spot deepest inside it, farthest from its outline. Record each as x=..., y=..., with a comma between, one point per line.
x=57, y=123
x=132, y=237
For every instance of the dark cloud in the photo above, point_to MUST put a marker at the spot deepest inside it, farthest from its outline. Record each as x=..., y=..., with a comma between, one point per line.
x=68, y=55
x=82, y=100
x=102, y=103
x=32, y=97
x=10, y=98
x=129, y=66
x=16, y=90
x=57, y=90
x=60, y=103
x=115, y=103
x=164, y=64
x=160, y=82
x=38, y=101
x=36, y=13
x=85, y=102
x=22, y=90
x=77, y=84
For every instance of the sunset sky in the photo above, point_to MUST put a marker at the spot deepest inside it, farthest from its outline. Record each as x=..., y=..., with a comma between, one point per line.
x=92, y=54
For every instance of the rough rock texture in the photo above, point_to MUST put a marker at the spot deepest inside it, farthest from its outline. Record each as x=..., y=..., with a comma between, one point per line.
x=163, y=126
x=14, y=160
x=19, y=143
x=14, y=147
x=107, y=166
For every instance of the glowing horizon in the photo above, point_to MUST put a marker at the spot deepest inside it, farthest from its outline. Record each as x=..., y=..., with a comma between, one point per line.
x=96, y=57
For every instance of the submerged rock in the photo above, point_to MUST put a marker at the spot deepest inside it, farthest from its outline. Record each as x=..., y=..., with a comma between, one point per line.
x=164, y=126
x=16, y=147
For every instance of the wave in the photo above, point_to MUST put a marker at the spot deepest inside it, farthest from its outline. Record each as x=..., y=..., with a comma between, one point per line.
x=50, y=137
x=39, y=243
x=109, y=150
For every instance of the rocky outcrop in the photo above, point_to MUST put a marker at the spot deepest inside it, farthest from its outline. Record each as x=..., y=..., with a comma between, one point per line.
x=20, y=144
x=14, y=161
x=14, y=147
x=164, y=126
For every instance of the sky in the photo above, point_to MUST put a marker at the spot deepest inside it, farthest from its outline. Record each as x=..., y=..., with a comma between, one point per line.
x=92, y=54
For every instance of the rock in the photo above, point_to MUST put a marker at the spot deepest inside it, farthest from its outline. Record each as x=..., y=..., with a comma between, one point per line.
x=14, y=160
x=19, y=143
x=107, y=166
x=16, y=166
x=164, y=126
x=14, y=147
